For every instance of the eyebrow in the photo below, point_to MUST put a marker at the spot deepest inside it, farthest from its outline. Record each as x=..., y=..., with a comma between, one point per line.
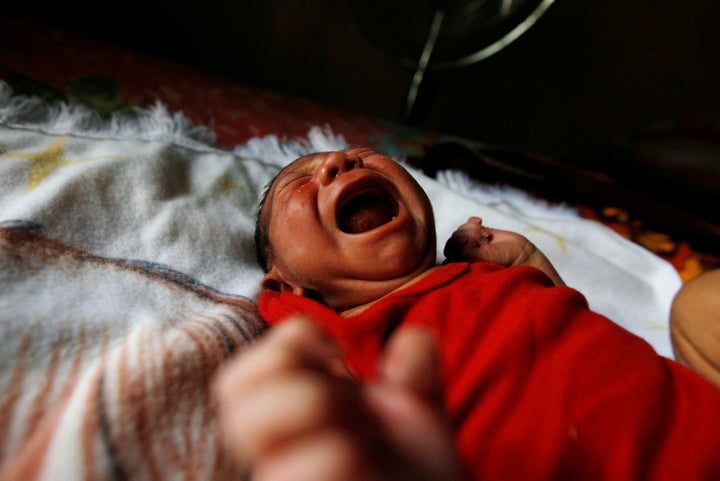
x=268, y=197
x=307, y=168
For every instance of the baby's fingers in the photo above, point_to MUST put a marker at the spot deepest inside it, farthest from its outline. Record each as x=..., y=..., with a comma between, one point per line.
x=465, y=243
x=454, y=246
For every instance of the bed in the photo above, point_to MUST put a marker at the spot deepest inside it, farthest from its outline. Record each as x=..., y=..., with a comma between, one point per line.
x=128, y=189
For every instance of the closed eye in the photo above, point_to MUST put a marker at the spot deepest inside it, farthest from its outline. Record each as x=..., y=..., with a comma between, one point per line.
x=293, y=184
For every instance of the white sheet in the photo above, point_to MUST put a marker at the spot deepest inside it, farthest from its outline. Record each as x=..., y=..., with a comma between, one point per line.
x=620, y=279
x=161, y=195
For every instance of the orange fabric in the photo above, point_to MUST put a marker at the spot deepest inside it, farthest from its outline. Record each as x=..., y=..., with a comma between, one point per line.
x=688, y=261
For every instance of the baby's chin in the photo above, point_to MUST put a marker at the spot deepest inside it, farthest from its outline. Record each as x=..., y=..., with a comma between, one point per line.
x=361, y=293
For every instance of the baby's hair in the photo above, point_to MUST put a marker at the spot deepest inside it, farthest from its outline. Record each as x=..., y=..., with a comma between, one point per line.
x=263, y=249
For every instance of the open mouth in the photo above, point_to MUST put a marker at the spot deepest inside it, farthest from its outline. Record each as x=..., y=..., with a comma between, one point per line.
x=365, y=211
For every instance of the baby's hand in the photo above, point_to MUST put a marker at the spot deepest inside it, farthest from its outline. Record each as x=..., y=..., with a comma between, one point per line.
x=473, y=241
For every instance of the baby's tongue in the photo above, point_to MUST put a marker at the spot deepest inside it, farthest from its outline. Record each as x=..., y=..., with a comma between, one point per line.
x=364, y=214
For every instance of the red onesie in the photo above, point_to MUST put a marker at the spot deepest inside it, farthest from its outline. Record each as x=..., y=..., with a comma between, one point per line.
x=537, y=385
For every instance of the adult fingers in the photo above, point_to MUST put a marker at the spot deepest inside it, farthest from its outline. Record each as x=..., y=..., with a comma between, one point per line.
x=408, y=402
x=410, y=361
x=284, y=409
x=330, y=455
x=275, y=388
x=294, y=344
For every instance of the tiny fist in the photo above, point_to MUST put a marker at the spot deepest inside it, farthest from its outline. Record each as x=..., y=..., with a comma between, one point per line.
x=454, y=246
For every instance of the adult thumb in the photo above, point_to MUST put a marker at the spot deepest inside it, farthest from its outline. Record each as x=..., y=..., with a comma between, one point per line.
x=407, y=399
x=410, y=362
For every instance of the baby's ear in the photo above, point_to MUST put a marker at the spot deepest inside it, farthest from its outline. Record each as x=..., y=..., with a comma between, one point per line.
x=273, y=281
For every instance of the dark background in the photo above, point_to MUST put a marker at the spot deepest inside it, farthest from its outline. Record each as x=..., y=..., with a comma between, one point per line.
x=589, y=73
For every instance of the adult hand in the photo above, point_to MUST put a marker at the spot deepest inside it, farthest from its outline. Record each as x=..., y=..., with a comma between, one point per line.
x=289, y=410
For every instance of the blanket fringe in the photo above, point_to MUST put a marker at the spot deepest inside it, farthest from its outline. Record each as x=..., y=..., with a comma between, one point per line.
x=273, y=150
x=158, y=124
x=153, y=124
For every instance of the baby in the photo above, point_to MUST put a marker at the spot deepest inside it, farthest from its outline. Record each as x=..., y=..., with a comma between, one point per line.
x=536, y=385
x=366, y=236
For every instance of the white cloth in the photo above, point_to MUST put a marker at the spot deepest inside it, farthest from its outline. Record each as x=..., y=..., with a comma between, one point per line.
x=149, y=190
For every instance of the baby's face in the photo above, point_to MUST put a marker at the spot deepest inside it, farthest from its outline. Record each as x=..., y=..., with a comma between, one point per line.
x=347, y=227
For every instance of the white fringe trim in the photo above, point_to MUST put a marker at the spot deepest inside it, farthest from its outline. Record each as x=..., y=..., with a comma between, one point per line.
x=280, y=152
x=498, y=195
x=153, y=124
x=158, y=124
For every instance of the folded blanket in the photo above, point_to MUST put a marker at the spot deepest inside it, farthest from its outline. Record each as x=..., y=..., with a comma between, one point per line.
x=105, y=364
x=116, y=254
x=127, y=276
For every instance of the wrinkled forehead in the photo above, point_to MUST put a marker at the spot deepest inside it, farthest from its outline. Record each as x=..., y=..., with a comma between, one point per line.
x=299, y=164
x=302, y=163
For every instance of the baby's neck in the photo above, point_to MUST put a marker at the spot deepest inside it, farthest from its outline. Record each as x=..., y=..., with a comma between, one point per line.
x=352, y=311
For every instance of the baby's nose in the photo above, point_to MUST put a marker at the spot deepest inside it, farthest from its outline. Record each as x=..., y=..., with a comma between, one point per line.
x=335, y=163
